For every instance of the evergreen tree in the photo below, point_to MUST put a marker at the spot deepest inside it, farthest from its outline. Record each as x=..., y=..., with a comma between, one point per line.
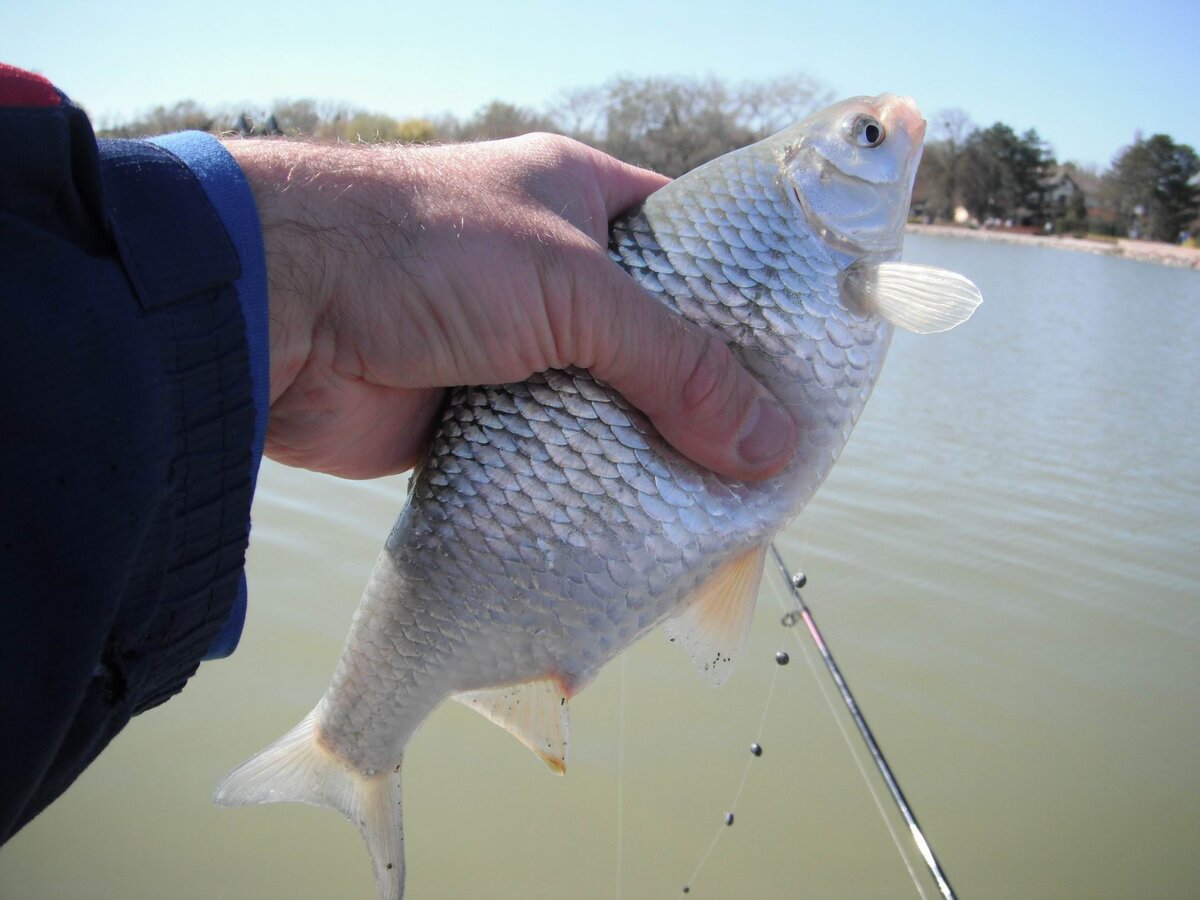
x=1154, y=185
x=1006, y=176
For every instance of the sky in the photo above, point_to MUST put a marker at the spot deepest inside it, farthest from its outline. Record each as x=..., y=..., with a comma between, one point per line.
x=1087, y=76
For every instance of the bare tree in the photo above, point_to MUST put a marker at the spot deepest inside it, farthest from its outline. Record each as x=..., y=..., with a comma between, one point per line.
x=939, y=181
x=670, y=124
x=297, y=117
x=501, y=120
x=186, y=115
x=580, y=112
x=766, y=107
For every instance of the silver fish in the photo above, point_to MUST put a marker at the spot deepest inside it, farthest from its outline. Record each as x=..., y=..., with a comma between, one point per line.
x=549, y=526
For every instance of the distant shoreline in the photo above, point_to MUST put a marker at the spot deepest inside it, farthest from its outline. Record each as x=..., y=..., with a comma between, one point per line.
x=1142, y=251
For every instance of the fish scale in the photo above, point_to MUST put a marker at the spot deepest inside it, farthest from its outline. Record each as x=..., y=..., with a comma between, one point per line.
x=549, y=525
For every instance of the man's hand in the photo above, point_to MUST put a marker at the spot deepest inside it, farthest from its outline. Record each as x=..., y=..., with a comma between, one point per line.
x=396, y=272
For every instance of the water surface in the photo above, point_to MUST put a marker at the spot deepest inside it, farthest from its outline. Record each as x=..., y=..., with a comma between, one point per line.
x=1006, y=562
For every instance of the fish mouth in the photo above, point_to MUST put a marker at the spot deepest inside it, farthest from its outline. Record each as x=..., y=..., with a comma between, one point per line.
x=904, y=110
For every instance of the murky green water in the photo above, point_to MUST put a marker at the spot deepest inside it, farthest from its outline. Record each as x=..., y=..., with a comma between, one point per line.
x=1006, y=562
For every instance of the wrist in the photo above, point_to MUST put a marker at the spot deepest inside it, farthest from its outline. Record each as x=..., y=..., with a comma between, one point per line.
x=295, y=256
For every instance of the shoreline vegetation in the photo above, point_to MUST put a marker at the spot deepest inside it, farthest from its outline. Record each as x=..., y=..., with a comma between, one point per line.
x=1141, y=251
x=1003, y=184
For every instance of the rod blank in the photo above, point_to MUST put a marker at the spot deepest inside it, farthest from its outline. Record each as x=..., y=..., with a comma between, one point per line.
x=864, y=730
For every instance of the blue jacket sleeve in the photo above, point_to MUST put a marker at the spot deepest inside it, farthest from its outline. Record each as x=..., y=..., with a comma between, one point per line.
x=132, y=357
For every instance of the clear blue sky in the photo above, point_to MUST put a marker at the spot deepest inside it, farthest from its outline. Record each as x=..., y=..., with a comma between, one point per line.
x=1086, y=75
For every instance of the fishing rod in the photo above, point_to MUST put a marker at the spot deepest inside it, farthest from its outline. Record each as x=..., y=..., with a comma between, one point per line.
x=795, y=582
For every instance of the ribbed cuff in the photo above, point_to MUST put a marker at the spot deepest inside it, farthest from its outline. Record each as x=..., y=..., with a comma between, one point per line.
x=230, y=195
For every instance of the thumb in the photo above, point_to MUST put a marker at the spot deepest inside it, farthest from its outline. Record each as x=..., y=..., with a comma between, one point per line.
x=692, y=388
x=686, y=380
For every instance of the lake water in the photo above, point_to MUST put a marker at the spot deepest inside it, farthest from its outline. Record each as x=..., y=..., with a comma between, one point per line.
x=1006, y=563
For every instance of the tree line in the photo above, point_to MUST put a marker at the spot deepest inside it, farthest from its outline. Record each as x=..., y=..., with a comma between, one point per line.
x=670, y=124
x=1151, y=190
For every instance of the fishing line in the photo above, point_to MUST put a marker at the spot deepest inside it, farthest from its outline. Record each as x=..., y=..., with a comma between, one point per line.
x=781, y=660
x=621, y=779
x=855, y=753
x=756, y=747
x=864, y=730
x=791, y=616
x=755, y=752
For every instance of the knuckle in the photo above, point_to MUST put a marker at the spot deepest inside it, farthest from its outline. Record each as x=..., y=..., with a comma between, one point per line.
x=558, y=175
x=549, y=153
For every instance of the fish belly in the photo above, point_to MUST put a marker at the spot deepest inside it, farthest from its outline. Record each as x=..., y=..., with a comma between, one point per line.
x=547, y=530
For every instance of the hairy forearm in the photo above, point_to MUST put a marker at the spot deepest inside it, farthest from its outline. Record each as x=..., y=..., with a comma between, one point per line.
x=292, y=183
x=358, y=240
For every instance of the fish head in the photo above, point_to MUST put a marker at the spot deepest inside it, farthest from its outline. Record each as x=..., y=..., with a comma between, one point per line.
x=850, y=169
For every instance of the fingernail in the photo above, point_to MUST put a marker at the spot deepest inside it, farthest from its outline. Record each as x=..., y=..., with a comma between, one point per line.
x=768, y=434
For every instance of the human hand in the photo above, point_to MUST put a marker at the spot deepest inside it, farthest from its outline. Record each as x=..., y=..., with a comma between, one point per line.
x=396, y=272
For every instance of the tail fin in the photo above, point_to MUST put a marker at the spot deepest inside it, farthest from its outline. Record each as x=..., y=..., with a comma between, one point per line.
x=297, y=767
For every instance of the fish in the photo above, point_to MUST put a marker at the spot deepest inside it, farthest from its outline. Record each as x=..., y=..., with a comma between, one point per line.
x=549, y=526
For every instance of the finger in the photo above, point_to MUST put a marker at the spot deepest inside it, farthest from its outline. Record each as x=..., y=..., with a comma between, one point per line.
x=623, y=186
x=686, y=380
x=707, y=406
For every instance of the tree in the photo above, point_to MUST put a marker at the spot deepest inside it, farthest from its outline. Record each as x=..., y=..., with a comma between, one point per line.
x=1034, y=172
x=501, y=120
x=364, y=127
x=671, y=125
x=186, y=115
x=988, y=187
x=1005, y=176
x=417, y=131
x=1157, y=177
x=579, y=112
x=668, y=124
x=296, y=117
x=371, y=128
x=766, y=107
x=937, y=187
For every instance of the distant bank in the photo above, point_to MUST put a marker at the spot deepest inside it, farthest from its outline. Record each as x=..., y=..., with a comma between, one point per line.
x=1143, y=251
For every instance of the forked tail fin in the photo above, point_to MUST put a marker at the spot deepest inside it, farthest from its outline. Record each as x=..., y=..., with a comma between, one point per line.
x=296, y=767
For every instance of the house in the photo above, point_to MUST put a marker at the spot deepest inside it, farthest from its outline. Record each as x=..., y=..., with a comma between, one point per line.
x=1063, y=187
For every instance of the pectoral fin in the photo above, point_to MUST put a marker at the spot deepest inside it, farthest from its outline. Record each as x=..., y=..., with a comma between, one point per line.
x=923, y=299
x=714, y=626
x=535, y=713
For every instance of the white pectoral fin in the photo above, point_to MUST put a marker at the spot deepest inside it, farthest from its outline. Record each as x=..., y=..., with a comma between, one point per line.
x=535, y=713
x=923, y=299
x=714, y=626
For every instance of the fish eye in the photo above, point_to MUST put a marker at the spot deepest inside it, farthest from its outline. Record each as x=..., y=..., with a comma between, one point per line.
x=865, y=131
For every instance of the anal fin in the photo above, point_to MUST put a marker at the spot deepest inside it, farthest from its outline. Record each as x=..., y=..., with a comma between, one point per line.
x=534, y=712
x=714, y=626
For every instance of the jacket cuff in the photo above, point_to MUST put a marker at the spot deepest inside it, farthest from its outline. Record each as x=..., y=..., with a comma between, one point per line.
x=230, y=196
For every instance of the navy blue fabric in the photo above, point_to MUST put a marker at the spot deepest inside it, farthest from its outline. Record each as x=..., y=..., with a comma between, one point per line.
x=126, y=431
x=230, y=196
